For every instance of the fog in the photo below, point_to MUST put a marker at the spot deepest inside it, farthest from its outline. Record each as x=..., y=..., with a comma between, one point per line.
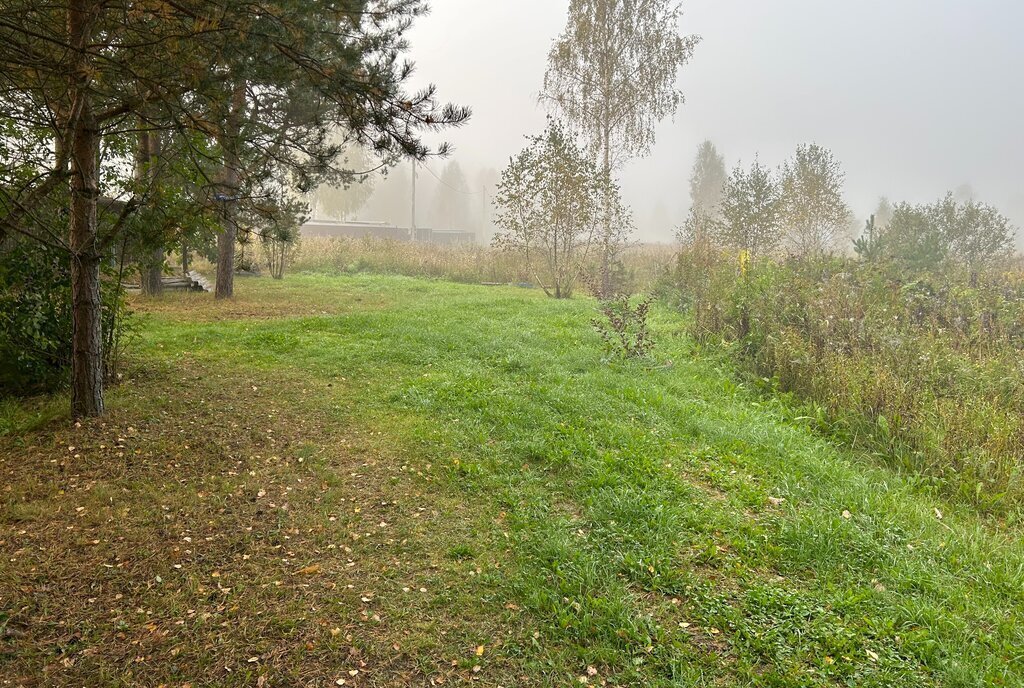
x=916, y=97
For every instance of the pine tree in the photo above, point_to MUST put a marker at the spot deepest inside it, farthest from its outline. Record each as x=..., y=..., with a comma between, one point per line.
x=264, y=84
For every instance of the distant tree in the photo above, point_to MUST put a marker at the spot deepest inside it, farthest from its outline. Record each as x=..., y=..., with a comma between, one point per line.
x=451, y=207
x=659, y=224
x=487, y=181
x=968, y=234
x=612, y=75
x=707, y=181
x=883, y=214
x=977, y=234
x=964, y=193
x=391, y=200
x=346, y=195
x=550, y=206
x=339, y=202
x=814, y=213
x=751, y=211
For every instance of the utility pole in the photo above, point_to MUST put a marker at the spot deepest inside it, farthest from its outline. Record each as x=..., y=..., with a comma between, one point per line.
x=483, y=212
x=412, y=230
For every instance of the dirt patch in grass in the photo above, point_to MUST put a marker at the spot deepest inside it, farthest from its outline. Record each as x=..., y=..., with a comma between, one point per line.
x=232, y=536
x=263, y=299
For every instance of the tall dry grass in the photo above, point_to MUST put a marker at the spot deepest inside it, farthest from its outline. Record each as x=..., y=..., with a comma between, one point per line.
x=470, y=264
x=643, y=265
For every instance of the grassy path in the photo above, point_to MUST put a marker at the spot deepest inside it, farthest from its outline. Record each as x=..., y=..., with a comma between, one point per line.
x=385, y=481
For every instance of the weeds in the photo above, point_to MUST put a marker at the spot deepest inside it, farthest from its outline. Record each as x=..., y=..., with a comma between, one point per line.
x=624, y=327
x=926, y=372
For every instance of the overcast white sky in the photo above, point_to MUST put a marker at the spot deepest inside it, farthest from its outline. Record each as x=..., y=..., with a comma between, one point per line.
x=915, y=97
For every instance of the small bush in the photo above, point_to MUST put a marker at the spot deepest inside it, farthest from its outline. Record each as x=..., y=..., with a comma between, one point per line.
x=36, y=319
x=624, y=328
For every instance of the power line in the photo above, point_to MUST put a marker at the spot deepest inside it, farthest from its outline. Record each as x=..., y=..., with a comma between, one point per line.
x=443, y=183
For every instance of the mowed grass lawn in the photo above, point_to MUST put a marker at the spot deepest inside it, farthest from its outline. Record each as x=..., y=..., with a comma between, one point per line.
x=382, y=481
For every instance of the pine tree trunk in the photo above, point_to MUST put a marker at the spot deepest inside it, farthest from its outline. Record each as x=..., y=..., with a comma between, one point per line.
x=87, y=331
x=151, y=269
x=152, y=274
x=225, y=288
x=231, y=177
x=87, y=337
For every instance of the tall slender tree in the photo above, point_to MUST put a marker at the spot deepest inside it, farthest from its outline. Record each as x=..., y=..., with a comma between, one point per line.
x=452, y=197
x=883, y=213
x=612, y=75
x=151, y=244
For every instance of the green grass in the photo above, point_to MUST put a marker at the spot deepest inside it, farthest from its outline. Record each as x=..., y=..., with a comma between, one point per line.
x=562, y=512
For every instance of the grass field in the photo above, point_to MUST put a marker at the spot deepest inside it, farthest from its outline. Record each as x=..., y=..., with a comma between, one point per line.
x=384, y=481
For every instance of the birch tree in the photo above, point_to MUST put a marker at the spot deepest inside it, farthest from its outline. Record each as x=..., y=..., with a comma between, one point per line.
x=814, y=213
x=612, y=75
x=551, y=203
x=751, y=211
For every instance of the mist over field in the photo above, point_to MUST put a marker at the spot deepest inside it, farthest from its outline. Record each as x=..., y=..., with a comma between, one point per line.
x=915, y=98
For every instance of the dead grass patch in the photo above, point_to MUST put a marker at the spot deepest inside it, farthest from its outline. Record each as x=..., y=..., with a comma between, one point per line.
x=229, y=536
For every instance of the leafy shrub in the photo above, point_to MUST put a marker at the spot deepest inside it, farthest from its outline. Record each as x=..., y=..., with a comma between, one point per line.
x=699, y=275
x=36, y=319
x=624, y=328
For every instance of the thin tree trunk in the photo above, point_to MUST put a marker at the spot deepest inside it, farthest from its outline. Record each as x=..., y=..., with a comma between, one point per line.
x=606, y=221
x=87, y=331
x=151, y=271
x=225, y=288
x=231, y=178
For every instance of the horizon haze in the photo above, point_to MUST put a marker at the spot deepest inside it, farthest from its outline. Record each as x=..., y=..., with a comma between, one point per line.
x=915, y=98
